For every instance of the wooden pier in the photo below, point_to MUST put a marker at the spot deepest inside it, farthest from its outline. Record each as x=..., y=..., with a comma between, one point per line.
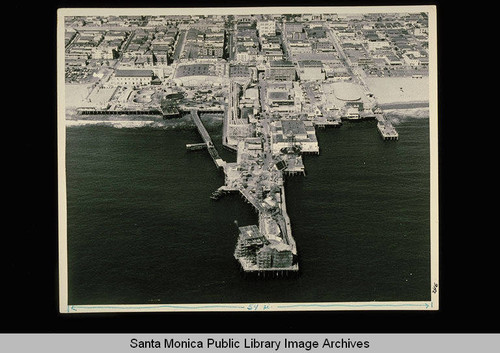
x=387, y=131
x=91, y=111
x=323, y=123
x=219, y=162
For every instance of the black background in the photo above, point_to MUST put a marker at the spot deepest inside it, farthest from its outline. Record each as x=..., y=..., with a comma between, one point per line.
x=29, y=240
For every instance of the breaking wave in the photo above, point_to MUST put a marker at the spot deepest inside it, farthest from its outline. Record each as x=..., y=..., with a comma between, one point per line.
x=396, y=116
x=184, y=122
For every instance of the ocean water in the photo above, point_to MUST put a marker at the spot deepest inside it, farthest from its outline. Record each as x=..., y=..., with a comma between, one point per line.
x=142, y=228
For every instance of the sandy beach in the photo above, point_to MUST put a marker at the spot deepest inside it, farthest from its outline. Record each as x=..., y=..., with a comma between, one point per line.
x=400, y=91
x=390, y=92
x=75, y=94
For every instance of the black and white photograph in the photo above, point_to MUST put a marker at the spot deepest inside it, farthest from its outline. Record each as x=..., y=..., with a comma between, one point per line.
x=247, y=159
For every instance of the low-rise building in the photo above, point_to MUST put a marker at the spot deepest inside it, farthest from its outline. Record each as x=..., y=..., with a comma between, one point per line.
x=280, y=101
x=266, y=27
x=133, y=77
x=281, y=70
x=246, y=54
x=299, y=46
x=411, y=59
x=393, y=60
x=271, y=55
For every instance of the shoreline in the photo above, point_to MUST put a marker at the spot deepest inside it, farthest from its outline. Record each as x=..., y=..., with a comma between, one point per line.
x=400, y=92
x=404, y=105
x=71, y=116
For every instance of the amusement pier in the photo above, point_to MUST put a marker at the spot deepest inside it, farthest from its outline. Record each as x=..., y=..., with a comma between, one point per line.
x=274, y=80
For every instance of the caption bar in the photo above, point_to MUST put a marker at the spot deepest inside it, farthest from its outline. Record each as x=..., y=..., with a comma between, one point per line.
x=231, y=343
x=249, y=343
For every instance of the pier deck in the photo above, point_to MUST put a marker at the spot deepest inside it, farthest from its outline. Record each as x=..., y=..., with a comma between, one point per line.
x=386, y=129
x=206, y=138
x=95, y=111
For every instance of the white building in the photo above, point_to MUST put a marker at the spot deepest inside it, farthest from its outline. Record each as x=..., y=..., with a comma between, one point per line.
x=266, y=28
x=104, y=52
x=133, y=77
x=246, y=54
x=411, y=59
x=378, y=44
x=420, y=31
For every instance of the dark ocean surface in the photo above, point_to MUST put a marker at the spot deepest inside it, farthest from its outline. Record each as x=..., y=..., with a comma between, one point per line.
x=142, y=228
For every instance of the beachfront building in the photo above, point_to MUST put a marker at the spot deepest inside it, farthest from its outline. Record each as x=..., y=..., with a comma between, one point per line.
x=125, y=77
x=201, y=73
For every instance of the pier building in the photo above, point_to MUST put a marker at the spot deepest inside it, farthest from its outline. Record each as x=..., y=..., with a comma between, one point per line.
x=288, y=133
x=387, y=131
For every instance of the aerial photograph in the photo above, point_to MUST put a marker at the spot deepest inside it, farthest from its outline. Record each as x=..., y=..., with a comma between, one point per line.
x=247, y=159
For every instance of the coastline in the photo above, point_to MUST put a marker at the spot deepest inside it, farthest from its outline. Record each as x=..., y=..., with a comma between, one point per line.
x=405, y=105
x=400, y=92
x=391, y=93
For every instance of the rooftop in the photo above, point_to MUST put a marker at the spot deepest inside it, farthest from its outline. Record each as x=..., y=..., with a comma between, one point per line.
x=294, y=127
x=279, y=246
x=134, y=73
x=310, y=63
x=247, y=232
x=346, y=91
x=195, y=70
x=281, y=63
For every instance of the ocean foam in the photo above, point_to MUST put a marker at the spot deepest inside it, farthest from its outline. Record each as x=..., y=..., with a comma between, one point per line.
x=396, y=116
x=185, y=122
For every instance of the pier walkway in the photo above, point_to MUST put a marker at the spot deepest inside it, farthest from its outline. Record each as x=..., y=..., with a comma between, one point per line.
x=386, y=129
x=219, y=162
